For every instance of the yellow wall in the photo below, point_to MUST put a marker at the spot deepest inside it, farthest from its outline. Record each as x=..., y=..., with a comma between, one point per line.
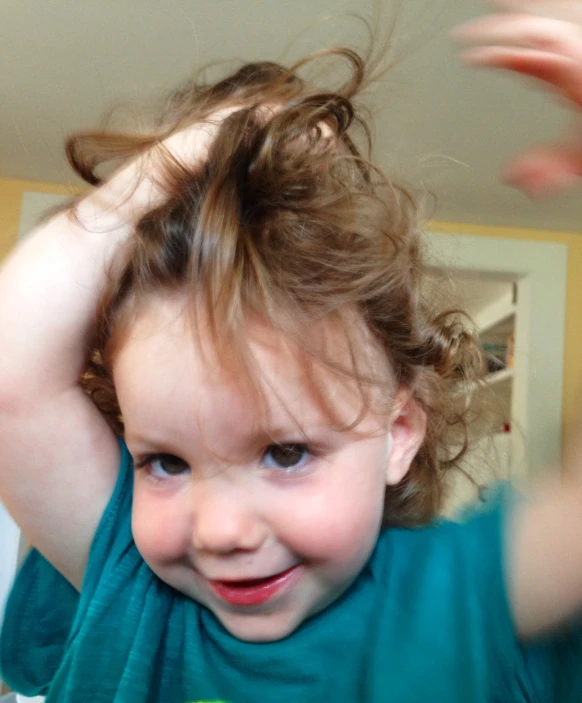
x=10, y=204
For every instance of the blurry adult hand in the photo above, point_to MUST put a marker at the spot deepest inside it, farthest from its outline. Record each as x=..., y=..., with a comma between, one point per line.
x=541, y=39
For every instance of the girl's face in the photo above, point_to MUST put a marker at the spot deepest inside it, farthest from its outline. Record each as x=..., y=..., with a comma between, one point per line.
x=265, y=526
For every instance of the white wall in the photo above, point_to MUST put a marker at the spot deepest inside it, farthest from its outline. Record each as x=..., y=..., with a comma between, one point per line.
x=9, y=547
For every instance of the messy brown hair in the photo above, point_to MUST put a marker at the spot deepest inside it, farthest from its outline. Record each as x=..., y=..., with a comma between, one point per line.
x=288, y=219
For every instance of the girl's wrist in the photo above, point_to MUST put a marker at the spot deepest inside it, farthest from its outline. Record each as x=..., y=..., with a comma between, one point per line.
x=137, y=188
x=120, y=202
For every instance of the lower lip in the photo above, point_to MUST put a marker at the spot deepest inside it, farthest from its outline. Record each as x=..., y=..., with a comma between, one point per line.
x=255, y=594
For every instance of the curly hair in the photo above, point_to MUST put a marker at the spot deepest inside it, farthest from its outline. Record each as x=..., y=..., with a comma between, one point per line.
x=289, y=219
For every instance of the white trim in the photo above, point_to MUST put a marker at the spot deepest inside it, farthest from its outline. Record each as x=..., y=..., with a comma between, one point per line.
x=498, y=377
x=9, y=550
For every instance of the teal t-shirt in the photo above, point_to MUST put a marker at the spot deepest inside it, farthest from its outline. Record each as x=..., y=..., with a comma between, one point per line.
x=427, y=620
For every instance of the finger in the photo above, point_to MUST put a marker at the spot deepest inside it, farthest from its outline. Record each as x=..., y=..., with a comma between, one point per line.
x=562, y=73
x=568, y=10
x=523, y=31
x=545, y=170
x=189, y=144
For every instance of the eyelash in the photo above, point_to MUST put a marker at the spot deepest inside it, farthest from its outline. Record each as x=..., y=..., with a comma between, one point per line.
x=147, y=462
x=293, y=446
x=313, y=453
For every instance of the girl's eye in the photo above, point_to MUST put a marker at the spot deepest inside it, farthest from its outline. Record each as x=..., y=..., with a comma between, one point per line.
x=287, y=456
x=164, y=465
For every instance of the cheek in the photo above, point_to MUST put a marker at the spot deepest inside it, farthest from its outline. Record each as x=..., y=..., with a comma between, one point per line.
x=159, y=527
x=339, y=520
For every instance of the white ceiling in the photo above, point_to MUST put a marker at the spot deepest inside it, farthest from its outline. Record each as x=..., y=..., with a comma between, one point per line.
x=445, y=128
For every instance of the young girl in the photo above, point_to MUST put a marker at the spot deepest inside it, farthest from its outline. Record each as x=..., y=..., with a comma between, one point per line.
x=244, y=508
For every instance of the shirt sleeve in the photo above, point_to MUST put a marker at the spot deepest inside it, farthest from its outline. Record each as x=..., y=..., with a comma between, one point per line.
x=549, y=670
x=546, y=669
x=43, y=609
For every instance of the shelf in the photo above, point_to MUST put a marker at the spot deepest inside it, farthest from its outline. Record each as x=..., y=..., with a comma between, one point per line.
x=498, y=377
x=500, y=380
x=495, y=313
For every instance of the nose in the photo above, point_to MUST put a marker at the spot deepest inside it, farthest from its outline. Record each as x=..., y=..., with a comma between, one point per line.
x=225, y=518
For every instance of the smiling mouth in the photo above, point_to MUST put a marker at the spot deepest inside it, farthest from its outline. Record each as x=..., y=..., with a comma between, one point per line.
x=254, y=591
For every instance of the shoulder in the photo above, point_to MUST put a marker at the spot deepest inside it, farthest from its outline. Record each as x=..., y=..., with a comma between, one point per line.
x=474, y=542
x=441, y=598
x=44, y=607
x=452, y=576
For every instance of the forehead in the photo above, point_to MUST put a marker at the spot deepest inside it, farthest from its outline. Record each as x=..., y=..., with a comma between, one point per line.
x=162, y=367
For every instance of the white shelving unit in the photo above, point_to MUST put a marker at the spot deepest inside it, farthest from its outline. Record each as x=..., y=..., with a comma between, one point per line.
x=497, y=311
x=497, y=378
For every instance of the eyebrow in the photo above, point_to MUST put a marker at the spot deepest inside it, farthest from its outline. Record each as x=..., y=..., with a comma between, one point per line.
x=274, y=434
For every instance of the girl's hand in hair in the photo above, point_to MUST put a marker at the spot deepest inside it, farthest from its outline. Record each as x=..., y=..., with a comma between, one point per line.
x=140, y=185
x=541, y=39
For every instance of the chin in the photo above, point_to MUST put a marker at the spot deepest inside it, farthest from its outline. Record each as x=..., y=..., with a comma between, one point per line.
x=259, y=628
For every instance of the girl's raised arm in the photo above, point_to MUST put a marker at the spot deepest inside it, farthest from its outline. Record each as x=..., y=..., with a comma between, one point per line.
x=58, y=457
x=542, y=40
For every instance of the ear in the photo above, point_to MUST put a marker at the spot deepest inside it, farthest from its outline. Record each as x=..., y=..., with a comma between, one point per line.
x=407, y=432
